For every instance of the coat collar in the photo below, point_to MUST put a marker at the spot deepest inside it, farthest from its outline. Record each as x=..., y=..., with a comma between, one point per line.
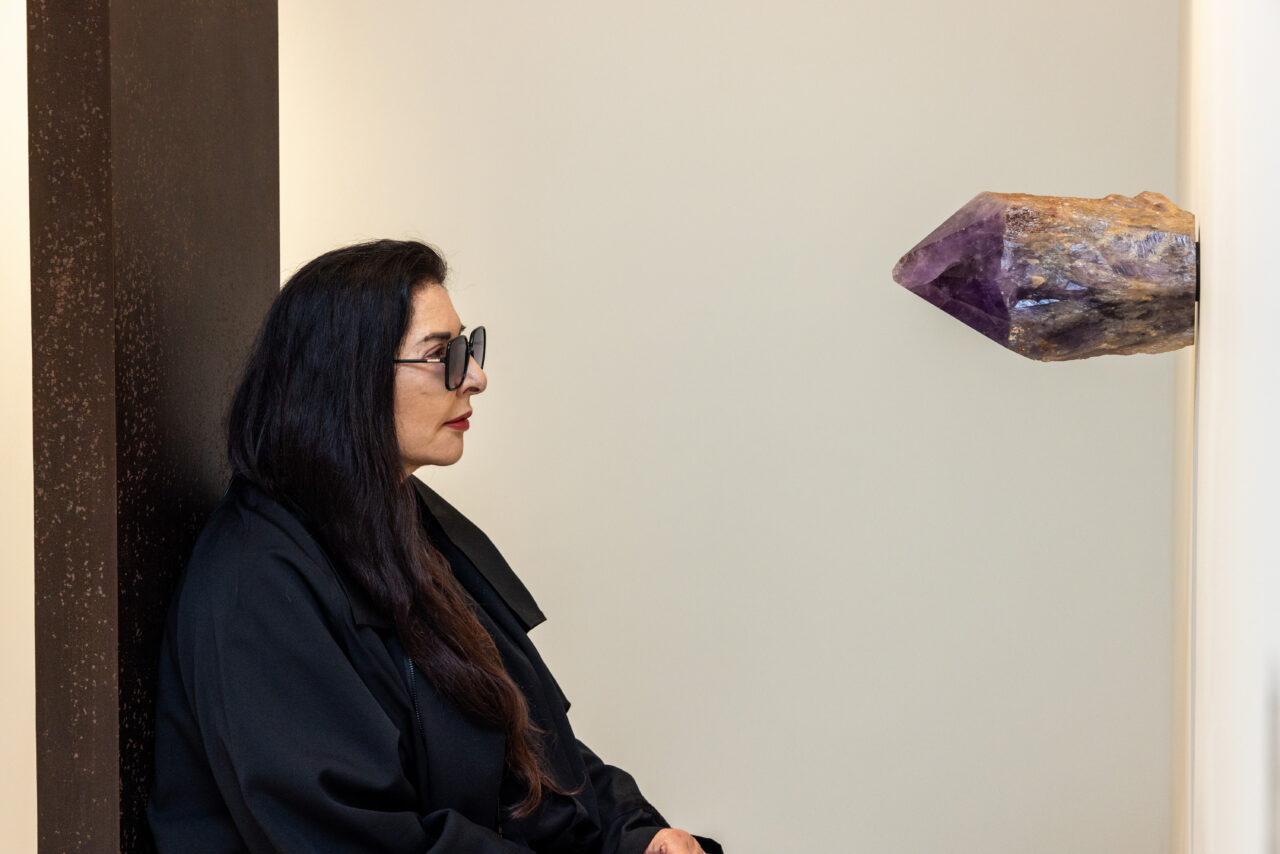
x=463, y=533
x=484, y=554
x=472, y=542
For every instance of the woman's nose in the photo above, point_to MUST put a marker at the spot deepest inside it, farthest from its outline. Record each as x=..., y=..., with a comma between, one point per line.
x=475, y=380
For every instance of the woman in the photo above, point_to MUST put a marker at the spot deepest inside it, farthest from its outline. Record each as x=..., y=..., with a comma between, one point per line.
x=346, y=666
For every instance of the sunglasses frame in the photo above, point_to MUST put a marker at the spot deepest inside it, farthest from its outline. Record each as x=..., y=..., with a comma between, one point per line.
x=468, y=348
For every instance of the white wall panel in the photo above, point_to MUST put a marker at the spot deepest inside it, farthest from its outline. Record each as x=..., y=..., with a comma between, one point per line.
x=1230, y=140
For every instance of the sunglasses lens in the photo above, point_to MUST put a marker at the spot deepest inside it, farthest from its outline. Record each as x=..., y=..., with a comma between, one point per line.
x=477, y=345
x=456, y=363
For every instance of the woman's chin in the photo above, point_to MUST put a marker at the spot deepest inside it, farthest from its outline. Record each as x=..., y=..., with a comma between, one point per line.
x=444, y=457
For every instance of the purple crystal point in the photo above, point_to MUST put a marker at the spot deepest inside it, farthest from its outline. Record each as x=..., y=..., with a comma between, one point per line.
x=1061, y=278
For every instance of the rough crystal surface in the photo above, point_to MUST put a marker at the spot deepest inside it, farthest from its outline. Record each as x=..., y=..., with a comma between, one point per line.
x=1057, y=278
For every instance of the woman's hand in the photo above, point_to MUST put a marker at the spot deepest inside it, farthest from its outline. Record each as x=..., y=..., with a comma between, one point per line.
x=672, y=841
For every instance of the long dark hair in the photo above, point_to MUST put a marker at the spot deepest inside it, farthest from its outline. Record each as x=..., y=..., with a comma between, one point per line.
x=312, y=422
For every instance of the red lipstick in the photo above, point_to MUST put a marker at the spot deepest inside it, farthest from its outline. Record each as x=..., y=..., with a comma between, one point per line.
x=460, y=423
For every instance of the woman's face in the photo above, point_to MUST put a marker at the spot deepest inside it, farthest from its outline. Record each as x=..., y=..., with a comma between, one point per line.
x=430, y=419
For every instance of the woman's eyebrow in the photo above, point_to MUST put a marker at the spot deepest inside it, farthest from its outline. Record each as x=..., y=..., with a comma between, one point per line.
x=442, y=336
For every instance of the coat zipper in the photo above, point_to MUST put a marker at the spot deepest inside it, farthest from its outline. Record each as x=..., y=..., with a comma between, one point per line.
x=417, y=713
x=413, y=692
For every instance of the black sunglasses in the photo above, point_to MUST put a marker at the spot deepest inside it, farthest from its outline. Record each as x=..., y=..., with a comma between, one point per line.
x=455, y=357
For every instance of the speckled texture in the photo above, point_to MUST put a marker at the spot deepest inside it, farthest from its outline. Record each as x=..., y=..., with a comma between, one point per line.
x=155, y=255
x=73, y=386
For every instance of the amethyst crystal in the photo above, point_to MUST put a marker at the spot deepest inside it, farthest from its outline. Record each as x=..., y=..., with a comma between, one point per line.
x=1059, y=278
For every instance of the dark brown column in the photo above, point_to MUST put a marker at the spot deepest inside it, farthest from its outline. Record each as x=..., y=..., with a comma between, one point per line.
x=155, y=252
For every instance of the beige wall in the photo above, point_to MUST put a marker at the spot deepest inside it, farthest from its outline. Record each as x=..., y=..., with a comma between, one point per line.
x=1183, y=494
x=17, y=555
x=825, y=570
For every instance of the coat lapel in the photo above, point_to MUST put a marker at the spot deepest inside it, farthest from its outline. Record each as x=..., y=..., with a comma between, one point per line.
x=464, y=760
x=484, y=554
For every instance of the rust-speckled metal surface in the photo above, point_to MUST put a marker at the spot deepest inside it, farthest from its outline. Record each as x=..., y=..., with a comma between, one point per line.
x=73, y=389
x=155, y=253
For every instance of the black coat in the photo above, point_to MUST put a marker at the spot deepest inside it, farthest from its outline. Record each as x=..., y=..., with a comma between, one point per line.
x=289, y=718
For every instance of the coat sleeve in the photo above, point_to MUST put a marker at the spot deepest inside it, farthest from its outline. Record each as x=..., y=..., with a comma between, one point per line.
x=629, y=821
x=302, y=753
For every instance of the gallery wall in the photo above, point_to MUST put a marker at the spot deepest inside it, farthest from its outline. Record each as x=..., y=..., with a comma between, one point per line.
x=17, y=552
x=826, y=570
